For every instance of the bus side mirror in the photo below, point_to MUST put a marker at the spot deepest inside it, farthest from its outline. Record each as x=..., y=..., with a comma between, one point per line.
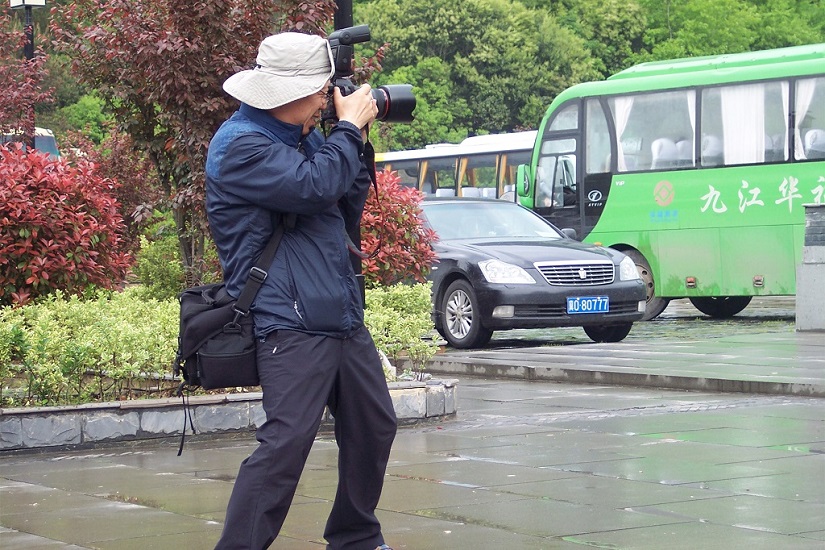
x=522, y=181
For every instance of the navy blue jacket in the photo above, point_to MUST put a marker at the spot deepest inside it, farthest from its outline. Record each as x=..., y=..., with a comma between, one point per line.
x=258, y=169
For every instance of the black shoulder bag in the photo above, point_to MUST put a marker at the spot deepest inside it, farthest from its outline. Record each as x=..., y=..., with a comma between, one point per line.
x=216, y=341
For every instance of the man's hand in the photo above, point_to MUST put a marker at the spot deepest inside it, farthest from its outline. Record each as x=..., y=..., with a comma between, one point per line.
x=359, y=107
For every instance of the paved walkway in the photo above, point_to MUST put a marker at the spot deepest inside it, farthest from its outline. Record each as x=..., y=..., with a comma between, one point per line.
x=524, y=464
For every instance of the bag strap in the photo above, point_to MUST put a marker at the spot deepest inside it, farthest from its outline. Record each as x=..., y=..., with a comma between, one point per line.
x=258, y=272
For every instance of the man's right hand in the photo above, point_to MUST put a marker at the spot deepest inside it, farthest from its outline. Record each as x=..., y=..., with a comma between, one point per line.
x=359, y=107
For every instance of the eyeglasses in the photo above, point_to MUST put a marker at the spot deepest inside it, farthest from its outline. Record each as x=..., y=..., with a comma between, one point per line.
x=326, y=93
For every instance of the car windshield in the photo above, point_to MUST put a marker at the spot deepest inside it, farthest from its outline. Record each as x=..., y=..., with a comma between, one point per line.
x=472, y=220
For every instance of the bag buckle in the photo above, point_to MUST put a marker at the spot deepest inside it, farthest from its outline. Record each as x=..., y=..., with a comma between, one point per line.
x=257, y=274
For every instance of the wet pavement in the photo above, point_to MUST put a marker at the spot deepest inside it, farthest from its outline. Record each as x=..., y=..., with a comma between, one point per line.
x=524, y=464
x=757, y=351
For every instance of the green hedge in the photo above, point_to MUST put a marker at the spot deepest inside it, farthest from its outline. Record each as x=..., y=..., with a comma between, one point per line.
x=120, y=345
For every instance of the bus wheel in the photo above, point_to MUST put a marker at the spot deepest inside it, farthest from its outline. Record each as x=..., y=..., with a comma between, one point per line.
x=460, y=317
x=721, y=307
x=608, y=333
x=655, y=304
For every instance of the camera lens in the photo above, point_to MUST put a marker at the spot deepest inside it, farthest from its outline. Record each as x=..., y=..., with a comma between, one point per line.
x=395, y=102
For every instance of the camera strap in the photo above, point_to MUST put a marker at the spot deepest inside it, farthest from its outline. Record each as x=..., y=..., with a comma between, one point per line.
x=369, y=159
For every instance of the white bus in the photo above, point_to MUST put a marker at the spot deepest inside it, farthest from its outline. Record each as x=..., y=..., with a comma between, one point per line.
x=479, y=166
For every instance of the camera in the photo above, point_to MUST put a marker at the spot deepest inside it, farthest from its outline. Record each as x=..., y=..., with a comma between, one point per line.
x=395, y=102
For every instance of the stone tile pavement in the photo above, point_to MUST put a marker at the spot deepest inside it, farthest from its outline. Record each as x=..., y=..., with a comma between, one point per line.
x=526, y=463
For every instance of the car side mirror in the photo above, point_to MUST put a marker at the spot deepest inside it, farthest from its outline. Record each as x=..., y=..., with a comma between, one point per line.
x=570, y=233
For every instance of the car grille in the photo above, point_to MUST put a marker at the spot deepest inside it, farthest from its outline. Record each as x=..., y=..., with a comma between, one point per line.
x=576, y=273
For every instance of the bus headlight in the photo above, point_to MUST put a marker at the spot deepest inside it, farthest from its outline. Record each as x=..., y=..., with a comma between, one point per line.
x=496, y=271
x=628, y=270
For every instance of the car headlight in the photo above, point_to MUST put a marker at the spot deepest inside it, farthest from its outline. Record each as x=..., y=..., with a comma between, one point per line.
x=628, y=270
x=496, y=271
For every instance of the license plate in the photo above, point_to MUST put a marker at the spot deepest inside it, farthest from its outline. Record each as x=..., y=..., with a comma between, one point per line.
x=588, y=304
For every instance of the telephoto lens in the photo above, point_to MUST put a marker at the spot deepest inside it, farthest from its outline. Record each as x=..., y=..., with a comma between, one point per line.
x=395, y=102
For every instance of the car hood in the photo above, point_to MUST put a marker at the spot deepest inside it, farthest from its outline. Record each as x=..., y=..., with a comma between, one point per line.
x=524, y=252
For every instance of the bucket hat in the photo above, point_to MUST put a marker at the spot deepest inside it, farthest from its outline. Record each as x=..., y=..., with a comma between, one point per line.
x=290, y=65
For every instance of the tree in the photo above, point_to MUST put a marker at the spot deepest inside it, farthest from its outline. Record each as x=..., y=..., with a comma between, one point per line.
x=709, y=27
x=613, y=31
x=505, y=62
x=789, y=23
x=20, y=79
x=159, y=66
x=438, y=106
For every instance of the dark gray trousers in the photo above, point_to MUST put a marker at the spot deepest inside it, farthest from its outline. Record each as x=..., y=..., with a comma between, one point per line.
x=300, y=374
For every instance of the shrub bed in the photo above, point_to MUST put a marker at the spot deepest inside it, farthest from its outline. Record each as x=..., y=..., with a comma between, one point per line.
x=120, y=345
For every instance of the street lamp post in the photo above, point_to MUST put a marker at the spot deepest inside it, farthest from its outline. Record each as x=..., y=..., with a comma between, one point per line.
x=28, y=53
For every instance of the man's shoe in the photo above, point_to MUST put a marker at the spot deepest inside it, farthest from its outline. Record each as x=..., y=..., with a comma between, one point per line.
x=383, y=547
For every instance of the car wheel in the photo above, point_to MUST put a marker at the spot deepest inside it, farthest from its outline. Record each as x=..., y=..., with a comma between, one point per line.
x=721, y=307
x=460, y=318
x=655, y=305
x=608, y=333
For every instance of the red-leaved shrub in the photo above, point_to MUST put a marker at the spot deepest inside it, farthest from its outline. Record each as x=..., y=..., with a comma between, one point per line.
x=405, y=253
x=59, y=227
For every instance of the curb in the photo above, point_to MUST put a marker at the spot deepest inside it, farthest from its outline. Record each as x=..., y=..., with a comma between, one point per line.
x=492, y=368
x=94, y=423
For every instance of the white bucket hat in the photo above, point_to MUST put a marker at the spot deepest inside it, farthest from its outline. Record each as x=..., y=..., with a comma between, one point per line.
x=291, y=65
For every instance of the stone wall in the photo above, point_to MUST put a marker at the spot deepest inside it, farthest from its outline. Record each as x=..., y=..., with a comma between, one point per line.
x=87, y=425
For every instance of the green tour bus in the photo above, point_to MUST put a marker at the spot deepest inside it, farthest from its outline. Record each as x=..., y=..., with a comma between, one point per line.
x=696, y=168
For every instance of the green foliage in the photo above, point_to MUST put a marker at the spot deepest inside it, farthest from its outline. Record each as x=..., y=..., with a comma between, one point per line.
x=437, y=108
x=66, y=350
x=613, y=31
x=86, y=115
x=399, y=320
x=500, y=63
x=709, y=27
x=158, y=268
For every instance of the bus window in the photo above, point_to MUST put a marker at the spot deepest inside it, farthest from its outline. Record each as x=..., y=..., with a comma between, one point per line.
x=544, y=182
x=566, y=180
x=809, y=132
x=741, y=123
x=566, y=119
x=597, y=138
x=649, y=126
x=478, y=172
x=509, y=168
x=440, y=174
x=776, y=121
x=553, y=175
x=408, y=172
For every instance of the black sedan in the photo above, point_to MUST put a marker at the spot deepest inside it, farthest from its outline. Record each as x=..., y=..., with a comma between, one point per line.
x=501, y=266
